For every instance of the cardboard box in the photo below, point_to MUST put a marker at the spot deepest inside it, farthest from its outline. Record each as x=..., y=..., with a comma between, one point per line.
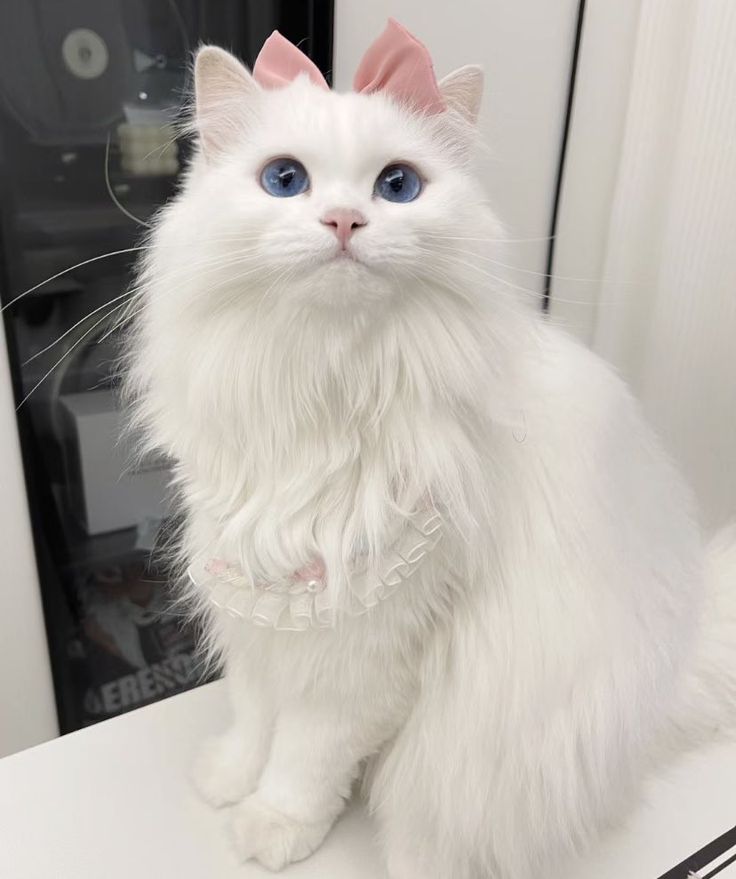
x=107, y=491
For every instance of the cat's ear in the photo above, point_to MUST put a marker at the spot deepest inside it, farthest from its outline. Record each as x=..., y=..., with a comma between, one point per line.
x=462, y=91
x=223, y=87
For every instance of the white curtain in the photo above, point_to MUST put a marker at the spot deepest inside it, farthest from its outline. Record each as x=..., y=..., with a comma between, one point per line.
x=665, y=315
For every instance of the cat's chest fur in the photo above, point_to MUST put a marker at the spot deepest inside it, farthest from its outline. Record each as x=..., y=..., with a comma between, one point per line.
x=345, y=495
x=316, y=445
x=372, y=496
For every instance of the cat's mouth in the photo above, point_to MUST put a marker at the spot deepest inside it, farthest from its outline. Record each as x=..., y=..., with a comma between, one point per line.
x=346, y=259
x=347, y=256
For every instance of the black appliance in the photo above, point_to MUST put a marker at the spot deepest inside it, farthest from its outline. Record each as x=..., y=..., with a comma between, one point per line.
x=89, y=92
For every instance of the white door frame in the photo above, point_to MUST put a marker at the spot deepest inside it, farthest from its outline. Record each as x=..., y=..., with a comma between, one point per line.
x=27, y=705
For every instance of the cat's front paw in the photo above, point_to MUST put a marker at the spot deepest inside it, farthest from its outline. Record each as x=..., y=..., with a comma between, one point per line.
x=272, y=838
x=225, y=771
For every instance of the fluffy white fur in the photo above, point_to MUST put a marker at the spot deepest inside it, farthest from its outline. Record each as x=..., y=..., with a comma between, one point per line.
x=510, y=695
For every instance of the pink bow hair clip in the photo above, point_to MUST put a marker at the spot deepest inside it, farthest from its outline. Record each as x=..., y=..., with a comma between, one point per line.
x=396, y=64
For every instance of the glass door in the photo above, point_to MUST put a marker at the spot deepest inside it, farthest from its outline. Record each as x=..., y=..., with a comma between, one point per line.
x=90, y=92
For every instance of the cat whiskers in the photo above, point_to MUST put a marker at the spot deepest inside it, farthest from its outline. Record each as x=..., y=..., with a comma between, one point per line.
x=450, y=265
x=486, y=240
x=454, y=257
x=525, y=271
x=126, y=299
x=117, y=326
x=128, y=294
x=67, y=353
x=66, y=271
x=141, y=248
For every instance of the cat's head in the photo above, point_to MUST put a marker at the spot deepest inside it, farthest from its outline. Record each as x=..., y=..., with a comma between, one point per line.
x=327, y=196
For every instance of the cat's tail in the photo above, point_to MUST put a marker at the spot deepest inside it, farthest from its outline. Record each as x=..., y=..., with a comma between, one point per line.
x=709, y=698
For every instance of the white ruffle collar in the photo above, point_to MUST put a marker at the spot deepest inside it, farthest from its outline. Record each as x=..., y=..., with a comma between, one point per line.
x=303, y=601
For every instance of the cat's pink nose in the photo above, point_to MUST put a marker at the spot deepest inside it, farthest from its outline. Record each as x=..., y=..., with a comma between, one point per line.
x=343, y=221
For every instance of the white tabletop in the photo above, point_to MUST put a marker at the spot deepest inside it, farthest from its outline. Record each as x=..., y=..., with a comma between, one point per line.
x=114, y=801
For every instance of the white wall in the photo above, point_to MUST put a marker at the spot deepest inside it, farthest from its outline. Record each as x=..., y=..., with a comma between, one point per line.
x=591, y=167
x=27, y=708
x=525, y=47
x=649, y=209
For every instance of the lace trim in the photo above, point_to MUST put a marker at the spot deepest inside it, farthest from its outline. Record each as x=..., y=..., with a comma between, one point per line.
x=302, y=601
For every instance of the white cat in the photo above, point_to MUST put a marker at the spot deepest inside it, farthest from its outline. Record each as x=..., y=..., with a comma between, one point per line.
x=425, y=528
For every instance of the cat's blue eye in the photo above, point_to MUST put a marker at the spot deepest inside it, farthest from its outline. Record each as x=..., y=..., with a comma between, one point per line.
x=399, y=183
x=284, y=178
